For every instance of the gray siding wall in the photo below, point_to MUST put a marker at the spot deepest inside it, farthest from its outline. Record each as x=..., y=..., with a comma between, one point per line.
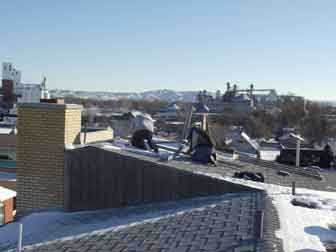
x=96, y=178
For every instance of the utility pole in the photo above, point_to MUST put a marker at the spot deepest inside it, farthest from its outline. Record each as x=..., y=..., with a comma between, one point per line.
x=19, y=248
x=297, y=163
x=299, y=139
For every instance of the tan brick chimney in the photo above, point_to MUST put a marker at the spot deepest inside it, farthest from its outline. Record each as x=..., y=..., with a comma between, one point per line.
x=43, y=131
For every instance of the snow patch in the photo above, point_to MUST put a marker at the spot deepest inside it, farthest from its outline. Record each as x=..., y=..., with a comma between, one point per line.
x=6, y=194
x=49, y=226
x=314, y=201
x=301, y=229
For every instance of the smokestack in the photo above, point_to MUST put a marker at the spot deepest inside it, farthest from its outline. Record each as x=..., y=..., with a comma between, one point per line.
x=251, y=90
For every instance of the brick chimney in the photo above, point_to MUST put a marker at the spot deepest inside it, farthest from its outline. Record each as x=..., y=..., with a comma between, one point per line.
x=43, y=131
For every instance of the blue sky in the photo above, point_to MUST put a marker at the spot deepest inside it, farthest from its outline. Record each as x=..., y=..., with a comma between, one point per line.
x=183, y=45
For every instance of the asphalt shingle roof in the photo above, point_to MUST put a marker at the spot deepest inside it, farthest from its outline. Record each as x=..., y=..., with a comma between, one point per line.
x=230, y=224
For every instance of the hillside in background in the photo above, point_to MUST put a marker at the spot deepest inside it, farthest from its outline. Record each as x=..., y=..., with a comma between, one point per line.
x=162, y=94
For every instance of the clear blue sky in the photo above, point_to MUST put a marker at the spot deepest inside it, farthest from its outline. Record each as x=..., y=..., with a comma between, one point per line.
x=183, y=45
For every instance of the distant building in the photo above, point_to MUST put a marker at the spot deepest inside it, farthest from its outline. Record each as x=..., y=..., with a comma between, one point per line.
x=231, y=101
x=14, y=91
x=205, y=98
x=268, y=100
x=172, y=112
x=294, y=98
x=29, y=93
x=9, y=73
x=243, y=101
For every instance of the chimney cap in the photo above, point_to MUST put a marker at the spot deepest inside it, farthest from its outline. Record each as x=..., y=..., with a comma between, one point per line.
x=46, y=105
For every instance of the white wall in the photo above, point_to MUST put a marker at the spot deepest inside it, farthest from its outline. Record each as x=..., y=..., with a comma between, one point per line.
x=7, y=71
x=17, y=79
x=29, y=93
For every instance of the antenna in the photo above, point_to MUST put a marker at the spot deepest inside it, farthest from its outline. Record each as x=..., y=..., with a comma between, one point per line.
x=43, y=84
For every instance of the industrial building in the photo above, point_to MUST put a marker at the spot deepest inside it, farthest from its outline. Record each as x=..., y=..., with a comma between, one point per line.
x=243, y=101
x=14, y=91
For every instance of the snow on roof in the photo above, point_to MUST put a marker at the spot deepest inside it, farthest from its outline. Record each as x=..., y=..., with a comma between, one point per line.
x=175, y=123
x=5, y=130
x=301, y=228
x=6, y=193
x=47, y=226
